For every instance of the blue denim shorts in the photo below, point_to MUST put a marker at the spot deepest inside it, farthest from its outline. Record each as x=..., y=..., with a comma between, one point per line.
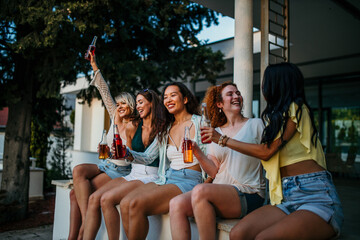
x=316, y=193
x=249, y=202
x=185, y=179
x=113, y=170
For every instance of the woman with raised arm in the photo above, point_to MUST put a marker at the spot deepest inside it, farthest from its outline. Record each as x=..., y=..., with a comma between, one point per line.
x=175, y=176
x=238, y=185
x=88, y=177
x=304, y=202
x=139, y=137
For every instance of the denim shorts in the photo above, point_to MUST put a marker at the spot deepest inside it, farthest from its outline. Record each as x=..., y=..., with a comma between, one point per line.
x=185, y=179
x=249, y=202
x=314, y=192
x=113, y=170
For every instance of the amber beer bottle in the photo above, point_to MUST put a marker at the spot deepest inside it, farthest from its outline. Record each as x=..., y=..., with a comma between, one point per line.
x=103, y=149
x=91, y=49
x=205, y=121
x=187, y=147
x=118, y=145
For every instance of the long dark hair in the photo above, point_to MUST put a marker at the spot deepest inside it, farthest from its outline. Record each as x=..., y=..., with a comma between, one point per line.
x=283, y=84
x=158, y=110
x=192, y=105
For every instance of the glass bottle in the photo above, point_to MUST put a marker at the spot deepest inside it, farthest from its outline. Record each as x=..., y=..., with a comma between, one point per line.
x=103, y=148
x=91, y=49
x=205, y=121
x=187, y=147
x=118, y=145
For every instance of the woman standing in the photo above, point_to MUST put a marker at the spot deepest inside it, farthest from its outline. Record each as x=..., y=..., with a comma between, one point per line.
x=238, y=185
x=304, y=202
x=88, y=177
x=139, y=137
x=175, y=176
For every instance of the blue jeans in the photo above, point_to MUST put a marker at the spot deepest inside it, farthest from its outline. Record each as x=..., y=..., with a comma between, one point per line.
x=314, y=192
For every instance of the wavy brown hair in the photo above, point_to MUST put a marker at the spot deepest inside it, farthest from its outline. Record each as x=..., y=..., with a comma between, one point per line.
x=212, y=97
x=158, y=110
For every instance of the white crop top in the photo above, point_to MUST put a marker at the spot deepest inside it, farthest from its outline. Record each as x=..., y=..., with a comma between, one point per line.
x=176, y=158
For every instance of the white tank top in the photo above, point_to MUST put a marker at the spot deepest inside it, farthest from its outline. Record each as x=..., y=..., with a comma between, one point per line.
x=176, y=158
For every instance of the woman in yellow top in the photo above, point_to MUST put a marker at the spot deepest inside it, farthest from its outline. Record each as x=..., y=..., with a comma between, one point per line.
x=304, y=202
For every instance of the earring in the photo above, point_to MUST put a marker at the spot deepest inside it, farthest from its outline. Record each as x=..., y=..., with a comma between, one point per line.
x=219, y=110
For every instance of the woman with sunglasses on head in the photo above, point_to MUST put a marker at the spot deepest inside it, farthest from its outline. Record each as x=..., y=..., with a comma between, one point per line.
x=304, y=202
x=89, y=177
x=238, y=185
x=175, y=176
x=139, y=136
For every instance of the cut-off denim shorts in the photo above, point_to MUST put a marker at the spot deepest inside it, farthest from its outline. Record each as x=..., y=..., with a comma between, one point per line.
x=113, y=170
x=185, y=179
x=249, y=202
x=316, y=193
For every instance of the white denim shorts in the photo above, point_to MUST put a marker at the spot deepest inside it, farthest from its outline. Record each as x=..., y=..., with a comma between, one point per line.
x=142, y=173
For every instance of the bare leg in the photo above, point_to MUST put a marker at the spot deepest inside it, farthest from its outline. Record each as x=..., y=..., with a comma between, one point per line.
x=84, y=186
x=293, y=225
x=180, y=210
x=256, y=221
x=82, y=174
x=144, y=201
x=93, y=214
x=211, y=200
x=75, y=217
x=108, y=202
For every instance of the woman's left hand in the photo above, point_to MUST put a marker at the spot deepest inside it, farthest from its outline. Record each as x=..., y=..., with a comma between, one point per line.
x=209, y=134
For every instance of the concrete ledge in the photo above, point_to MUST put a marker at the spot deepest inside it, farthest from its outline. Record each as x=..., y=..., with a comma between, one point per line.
x=159, y=225
x=63, y=183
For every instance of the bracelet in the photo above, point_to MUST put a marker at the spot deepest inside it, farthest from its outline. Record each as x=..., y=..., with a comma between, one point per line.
x=226, y=140
x=221, y=139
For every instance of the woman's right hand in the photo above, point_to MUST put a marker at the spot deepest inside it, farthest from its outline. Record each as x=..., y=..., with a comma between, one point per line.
x=209, y=134
x=93, y=62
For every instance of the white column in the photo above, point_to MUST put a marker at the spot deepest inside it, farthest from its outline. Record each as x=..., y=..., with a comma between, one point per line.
x=243, y=52
x=264, y=61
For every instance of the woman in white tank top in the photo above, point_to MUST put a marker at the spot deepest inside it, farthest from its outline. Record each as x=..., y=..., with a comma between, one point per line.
x=238, y=185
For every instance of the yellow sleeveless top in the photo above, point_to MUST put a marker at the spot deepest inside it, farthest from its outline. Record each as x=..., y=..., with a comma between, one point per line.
x=298, y=148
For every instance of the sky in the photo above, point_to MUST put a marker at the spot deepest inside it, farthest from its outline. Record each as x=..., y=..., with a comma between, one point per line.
x=224, y=30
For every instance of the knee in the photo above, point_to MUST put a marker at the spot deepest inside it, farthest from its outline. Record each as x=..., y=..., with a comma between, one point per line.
x=124, y=206
x=177, y=205
x=94, y=200
x=137, y=206
x=106, y=201
x=79, y=172
x=199, y=194
x=239, y=232
x=72, y=196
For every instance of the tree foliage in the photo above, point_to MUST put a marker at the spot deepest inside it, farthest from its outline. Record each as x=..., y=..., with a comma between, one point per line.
x=142, y=44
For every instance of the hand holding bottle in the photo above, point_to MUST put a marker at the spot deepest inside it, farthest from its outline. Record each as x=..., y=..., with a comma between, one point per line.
x=91, y=49
x=187, y=147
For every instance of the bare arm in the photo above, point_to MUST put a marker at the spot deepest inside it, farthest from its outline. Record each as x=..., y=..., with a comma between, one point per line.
x=208, y=163
x=261, y=151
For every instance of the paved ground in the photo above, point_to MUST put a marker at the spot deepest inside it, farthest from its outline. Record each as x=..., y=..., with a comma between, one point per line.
x=349, y=192
x=39, y=233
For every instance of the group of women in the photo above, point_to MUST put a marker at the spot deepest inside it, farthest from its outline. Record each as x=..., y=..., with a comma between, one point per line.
x=304, y=202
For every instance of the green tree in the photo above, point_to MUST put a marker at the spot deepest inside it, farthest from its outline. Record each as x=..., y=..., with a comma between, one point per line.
x=142, y=44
